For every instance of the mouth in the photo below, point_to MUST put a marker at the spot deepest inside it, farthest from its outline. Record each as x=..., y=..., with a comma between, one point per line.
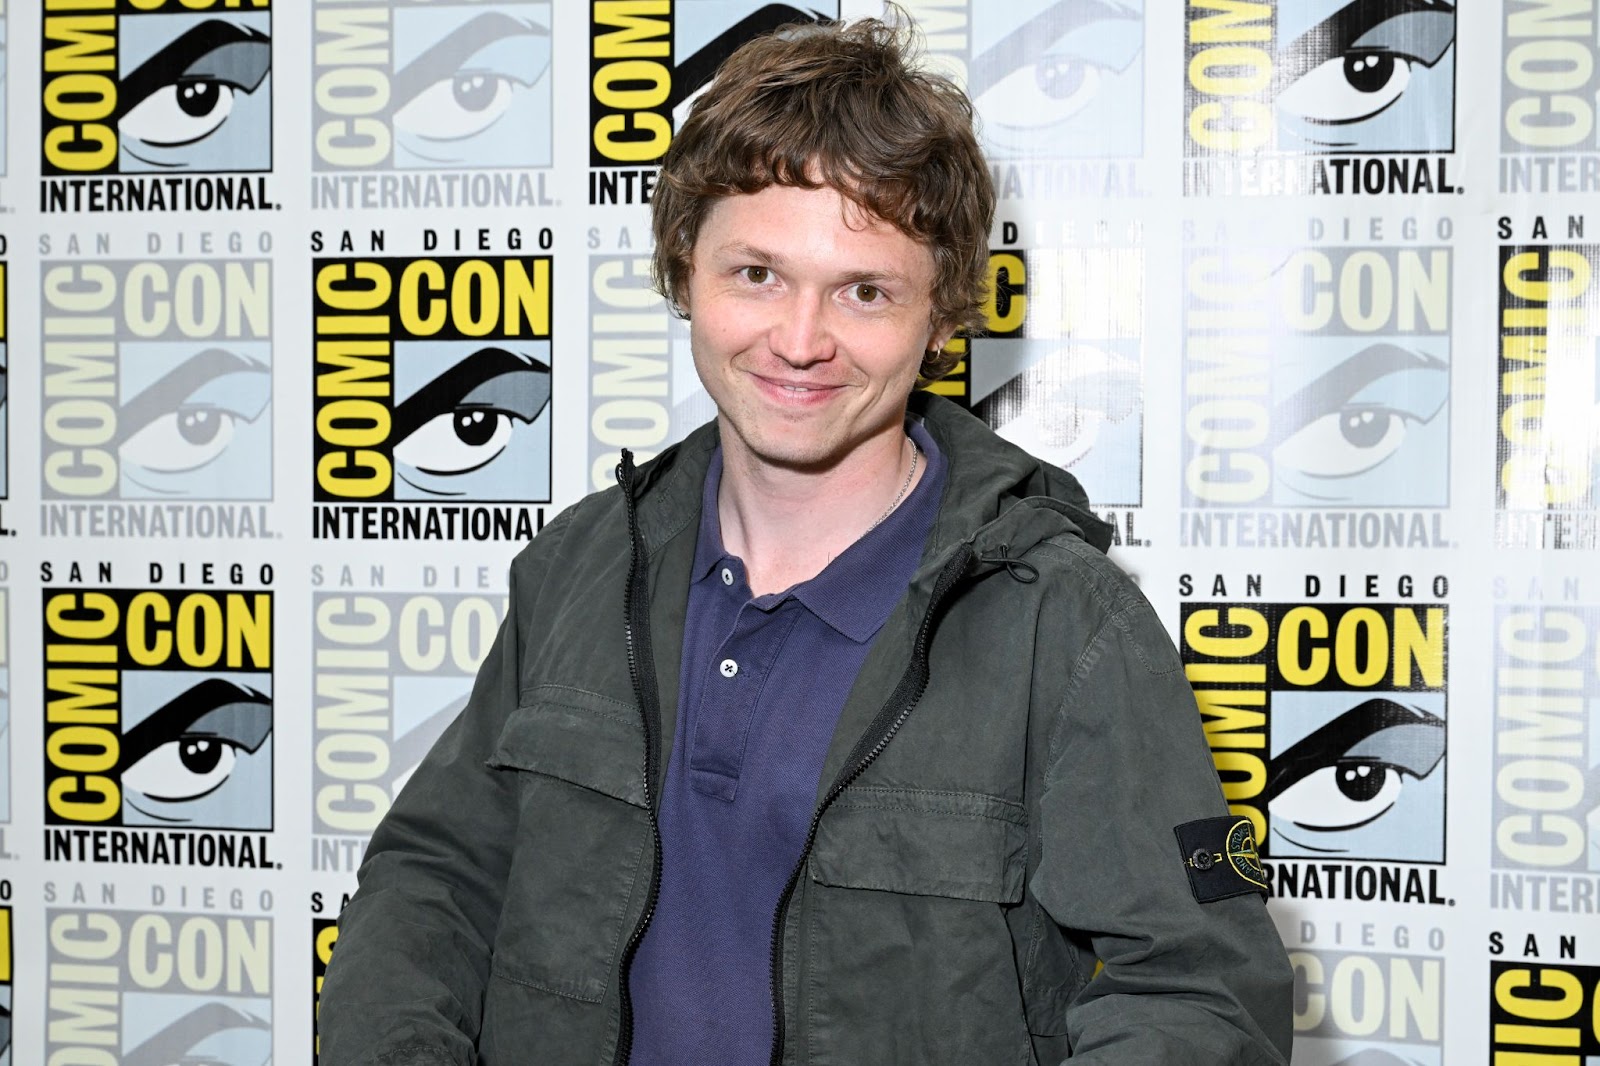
x=795, y=392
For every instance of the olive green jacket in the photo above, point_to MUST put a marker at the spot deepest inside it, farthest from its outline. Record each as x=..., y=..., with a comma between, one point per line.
x=996, y=812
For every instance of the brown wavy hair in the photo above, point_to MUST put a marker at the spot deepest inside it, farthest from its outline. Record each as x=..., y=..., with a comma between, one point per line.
x=843, y=106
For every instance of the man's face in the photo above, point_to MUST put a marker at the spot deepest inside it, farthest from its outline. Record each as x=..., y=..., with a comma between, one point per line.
x=808, y=321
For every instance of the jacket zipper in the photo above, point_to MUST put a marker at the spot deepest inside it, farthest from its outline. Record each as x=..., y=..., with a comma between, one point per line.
x=642, y=671
x=896, y=709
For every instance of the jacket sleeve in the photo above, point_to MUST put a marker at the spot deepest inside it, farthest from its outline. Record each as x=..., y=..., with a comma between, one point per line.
x=406, y=980
x=1182, y=981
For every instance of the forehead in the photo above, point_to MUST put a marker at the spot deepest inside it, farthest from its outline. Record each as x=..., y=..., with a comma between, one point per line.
x=789, y=221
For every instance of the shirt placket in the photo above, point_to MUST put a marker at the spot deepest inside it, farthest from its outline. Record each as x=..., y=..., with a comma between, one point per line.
x=733, y=678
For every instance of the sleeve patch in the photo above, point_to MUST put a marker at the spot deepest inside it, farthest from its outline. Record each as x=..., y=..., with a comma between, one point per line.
x=1219, y=855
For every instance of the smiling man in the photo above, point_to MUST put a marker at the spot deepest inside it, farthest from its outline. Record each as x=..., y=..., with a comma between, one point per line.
x=829, y=734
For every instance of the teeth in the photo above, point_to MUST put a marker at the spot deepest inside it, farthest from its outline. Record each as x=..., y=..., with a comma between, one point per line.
x=796, y=388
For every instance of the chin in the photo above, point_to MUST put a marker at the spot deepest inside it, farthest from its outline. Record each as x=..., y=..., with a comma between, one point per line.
x=794, y=450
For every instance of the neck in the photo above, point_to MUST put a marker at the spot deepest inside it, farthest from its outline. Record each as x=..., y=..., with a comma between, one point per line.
x=788, y=524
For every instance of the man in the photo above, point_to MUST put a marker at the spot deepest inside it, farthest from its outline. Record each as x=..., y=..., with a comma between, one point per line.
x=829, y=735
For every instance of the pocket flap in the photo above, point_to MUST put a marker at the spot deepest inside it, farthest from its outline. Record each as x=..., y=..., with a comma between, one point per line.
x=959, y=844
x=578, y=737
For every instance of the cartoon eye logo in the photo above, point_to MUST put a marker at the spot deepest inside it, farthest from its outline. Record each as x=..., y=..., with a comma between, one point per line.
x=1070, y=395
x=1358, y=63
x=214, y=61
x=463, y=420
x=1357, y=415
x=467, y=82
x=186, y=419
x=189, y=747
x=1351, y=771
x=1051, y=67
x=212, y=1034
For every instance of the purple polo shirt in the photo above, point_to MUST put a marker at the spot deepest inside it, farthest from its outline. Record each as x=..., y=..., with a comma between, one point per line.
x=763, y=682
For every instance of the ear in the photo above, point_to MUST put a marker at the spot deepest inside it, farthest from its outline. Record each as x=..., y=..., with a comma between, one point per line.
x=942, y=332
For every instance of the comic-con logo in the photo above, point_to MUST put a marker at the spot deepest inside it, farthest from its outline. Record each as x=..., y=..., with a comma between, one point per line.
x=324, y=934
x=157, y=379
x=392, y=670
x=1547, y=684
x=5, y=124
x=158, y=708
x=647, y=60
x=1548, y=452
x=7, y=1007
x=156, y=86
x=147, y=988
x=432, y=380
x=5, y=377
x=1535, y=1007
x=643, y=392
x=5, y=709
x=1058, y=367
x=1316, y=377
x=1354, y=82
x=1368, y=1008
x=1548, y=88
x=1050, y=79
x=1326, y=724
x=443, y=86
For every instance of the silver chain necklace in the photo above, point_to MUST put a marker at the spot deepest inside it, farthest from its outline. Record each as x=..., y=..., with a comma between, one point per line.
x=916, y=453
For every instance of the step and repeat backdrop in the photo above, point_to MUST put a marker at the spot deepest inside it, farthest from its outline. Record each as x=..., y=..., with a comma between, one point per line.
x=313, y=312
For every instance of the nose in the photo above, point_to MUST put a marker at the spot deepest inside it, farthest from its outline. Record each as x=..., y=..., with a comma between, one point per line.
x=801, y=334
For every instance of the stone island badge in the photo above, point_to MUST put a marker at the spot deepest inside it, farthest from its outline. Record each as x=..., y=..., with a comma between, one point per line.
x=1220, y=857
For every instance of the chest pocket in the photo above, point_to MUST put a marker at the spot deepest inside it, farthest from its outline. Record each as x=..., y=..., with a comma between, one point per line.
x=578, y=737
x=582, y=840
x=910, y=892
x=962, y=845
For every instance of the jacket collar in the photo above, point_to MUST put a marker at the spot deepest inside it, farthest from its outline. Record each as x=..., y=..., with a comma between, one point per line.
x=995, y=493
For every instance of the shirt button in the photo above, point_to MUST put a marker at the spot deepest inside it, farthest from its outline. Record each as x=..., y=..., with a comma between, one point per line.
x=727, y=576
x=729, y=667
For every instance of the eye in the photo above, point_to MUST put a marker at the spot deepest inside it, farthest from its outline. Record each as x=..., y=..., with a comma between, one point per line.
x=1353, y=768
x=1349, y=88
x=188, y=417
x=457, y=107
x=458, y=441
x=756, y=275
x=185, y=91
x=1350, y=793
x=867, y=293
x=1070, y=395
x=1041, y=94
x=1360, y=412
x=179, y=114
x=186, y=768
x=468, y=78
x=184, y=440
x=1349, y=441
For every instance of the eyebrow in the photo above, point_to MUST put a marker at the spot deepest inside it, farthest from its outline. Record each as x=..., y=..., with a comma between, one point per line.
x=175, y=718
x=455, y=385
x=1339, y=32
x=407, y=750
x=458, y=46
x=210, y=36
x=1333, y=390
x=183, y=1033
x=1333, y=741
x=155, y=399
x=1034, y=38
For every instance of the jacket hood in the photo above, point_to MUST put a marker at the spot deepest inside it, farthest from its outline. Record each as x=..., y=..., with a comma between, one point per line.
x=995, y=493
x=988, y=478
